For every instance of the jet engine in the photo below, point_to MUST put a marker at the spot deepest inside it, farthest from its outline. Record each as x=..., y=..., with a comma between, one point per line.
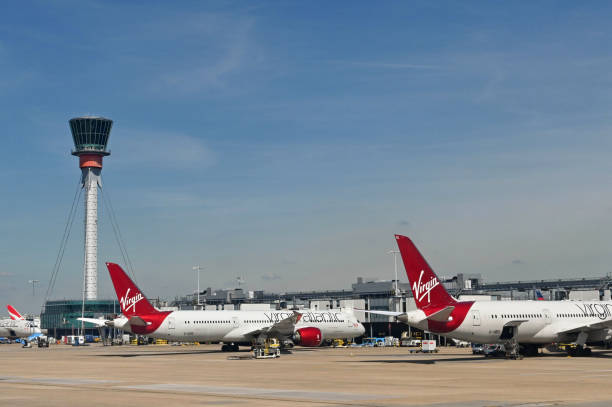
x=308, y=337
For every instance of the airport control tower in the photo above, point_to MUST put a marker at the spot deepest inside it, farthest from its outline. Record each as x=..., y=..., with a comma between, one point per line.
x=90, y=135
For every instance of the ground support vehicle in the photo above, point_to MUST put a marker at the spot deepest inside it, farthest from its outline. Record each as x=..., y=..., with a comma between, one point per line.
x=270, y=349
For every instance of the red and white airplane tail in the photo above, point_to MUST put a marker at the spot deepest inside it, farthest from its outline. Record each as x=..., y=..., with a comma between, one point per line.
x=15, y=315
x=428, y=291
x=132, y=300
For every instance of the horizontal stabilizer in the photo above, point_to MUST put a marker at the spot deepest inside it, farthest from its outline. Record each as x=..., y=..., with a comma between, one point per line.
x=137, y=321
x=388, y=313
x=94, y=321
x=442, y=315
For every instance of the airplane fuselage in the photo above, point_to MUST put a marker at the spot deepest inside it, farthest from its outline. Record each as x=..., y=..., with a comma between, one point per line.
x=20, y=328
x=536, y=322
x=237, y=326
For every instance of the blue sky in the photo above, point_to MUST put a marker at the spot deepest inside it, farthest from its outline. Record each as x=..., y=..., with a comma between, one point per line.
x=285, y=142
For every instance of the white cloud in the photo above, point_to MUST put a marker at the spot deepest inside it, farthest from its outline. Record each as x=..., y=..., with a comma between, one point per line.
x=225, y=47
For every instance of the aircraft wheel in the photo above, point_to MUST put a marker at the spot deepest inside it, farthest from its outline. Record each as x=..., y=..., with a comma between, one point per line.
x=225, y=348
x=235, y=347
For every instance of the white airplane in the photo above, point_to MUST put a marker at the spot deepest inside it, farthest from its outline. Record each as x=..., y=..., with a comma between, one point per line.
x=522, y=326
x=17, y=327
x=233, y=328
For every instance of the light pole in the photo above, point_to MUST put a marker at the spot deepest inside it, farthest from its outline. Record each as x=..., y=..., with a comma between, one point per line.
x=197, y=269
x=33, y=282
x=395, y=253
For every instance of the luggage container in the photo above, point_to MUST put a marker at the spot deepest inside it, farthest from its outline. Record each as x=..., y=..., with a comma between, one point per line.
x=428, y=346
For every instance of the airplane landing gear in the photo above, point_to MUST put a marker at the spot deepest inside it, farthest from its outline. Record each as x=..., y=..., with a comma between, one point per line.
x=579, y=351
x=230, y=347
x=528, y=350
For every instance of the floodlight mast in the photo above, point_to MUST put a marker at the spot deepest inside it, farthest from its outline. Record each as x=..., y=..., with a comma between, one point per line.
x=198, y=269
x=90, y=135
x=33, y=282
x=395, y=253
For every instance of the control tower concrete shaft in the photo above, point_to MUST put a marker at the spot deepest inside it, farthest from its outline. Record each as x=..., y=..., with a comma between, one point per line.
x=90, y=135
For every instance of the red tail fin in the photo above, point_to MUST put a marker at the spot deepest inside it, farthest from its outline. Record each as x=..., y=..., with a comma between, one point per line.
x=131, y=299
x=15, y=315
x=427, y=289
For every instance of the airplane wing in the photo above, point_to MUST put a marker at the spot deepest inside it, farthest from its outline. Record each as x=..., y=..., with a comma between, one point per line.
x=574, y=328
x=283, y=327
x=94, y=321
